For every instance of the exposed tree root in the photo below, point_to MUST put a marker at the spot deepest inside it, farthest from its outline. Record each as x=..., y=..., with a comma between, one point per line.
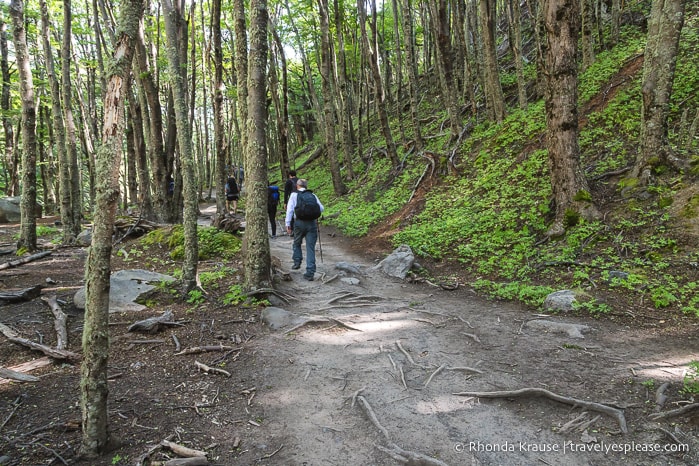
x=533, y=392
x=320, y=319
x=675, y=412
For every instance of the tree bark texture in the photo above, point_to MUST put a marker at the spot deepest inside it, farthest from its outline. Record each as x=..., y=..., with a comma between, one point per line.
x=257, y=260
x=27, y=234
x=93, y=380
x=660, y=58
x=219, y=139
x=11, y=179
x=241, y=68
x=568, y=183
x=495, y=101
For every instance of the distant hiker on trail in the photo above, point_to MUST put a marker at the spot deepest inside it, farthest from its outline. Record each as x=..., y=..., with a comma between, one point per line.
x=290, y=187
x=272, y=203
x=232, y=195
x=304, y=208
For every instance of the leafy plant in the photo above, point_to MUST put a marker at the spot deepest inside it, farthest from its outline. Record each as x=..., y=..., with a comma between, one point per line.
x=196, y=297
x=690, y=382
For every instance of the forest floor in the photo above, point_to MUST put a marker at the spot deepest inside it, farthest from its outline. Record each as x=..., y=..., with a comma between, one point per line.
x=381, y=382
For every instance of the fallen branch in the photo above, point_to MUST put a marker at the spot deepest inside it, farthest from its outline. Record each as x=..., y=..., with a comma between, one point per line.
x=464, y=368
x=660, y=396
x=48, y=351
x=675, y=412
x=182, y=451
x=17, y=404
x=146, y=456
x=20, y=296
x=211, y=370
x=24, y=260
x=27, y=367
x=60, y=321
x=195, y=461
x=410, y=457
x=203, y=349
x=534, y=392
x=271, y=454
x=17, y=376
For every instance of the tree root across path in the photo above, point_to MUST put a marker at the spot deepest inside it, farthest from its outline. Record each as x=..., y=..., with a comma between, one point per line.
x=534, y=392
x=393, y=450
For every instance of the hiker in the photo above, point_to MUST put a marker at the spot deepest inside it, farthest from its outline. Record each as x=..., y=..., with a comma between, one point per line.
x=272, y=203
x=232, y=195
x=290, y=187
x=304, y=208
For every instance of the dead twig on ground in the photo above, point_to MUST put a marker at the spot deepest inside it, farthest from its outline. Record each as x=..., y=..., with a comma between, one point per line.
x=60, y=321
x=178, y=347
x=534, y=392
x=16, y=404
x=465, y=368
x=429, y=379
x=211, y=370
x=410, y=457
x=51, y=352
x=17, y=376
x=474, y=337
x=182, y=451
x=24, y=260
x=203, y=349
x=271, y=454
x=155, y=324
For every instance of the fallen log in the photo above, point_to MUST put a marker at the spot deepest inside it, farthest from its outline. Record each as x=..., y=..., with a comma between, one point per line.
x=534, y=392
x=27, y=367
x=182, y=451
x=59, y=322
x=27, y=294
x=195, y=461
x=17, y=376
x=24, y=260
x=62, y=354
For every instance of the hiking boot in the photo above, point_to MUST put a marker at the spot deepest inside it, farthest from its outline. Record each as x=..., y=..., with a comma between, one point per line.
x=296, y=266
x=308, y=277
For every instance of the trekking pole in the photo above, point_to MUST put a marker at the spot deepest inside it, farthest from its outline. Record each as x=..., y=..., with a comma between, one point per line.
x=320, y=245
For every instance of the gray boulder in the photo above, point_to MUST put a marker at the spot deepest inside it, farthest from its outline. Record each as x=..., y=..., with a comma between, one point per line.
x=126, y=286
x=560, y=301
x=572, y=330
x=398, y=263
x=10, y=210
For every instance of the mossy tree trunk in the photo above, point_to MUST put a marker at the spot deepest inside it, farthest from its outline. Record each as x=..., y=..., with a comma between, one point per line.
x=27, y=233
x=11, y=180
x=93, y=375
x=411, y=66
x=660, y=59
x=570, y=190
x=59, y=133
x=241, y=69
x=178, y=76
x=256, y=258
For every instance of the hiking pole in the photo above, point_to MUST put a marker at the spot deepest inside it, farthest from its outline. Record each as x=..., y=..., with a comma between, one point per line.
x=320, y=245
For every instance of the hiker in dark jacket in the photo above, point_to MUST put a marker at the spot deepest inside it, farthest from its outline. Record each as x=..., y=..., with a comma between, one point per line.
x=290, y=187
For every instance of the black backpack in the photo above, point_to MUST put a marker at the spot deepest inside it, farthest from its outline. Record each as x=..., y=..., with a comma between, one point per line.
x=307, y=207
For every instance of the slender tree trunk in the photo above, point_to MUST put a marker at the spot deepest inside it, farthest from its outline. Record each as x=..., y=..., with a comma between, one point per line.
x=93, y=381
x=241, y=68
x=514, y=17
x=283, y=113
x=70, y=141
x=173, y=17
x=372, y=57
x=442, y=32
x=326, y=67
x=11, y=181
x=409, y=44
x=345, y=94
x=58, y=129
x=660, y=59
x=27, y=233
x=568, y=183
x=257, y=255
x=588, y=33
x=616, y=22
x=219, y=140
x=495, y=101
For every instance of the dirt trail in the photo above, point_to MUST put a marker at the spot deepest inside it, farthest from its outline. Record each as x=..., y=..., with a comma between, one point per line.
x=307, y=379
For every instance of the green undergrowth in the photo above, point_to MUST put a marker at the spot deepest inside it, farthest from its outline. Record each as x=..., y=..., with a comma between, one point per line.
x=212, y=242
x=491, y=215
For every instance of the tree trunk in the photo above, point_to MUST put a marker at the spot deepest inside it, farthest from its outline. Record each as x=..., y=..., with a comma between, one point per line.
x=173, y=18
x=241, y=68
x=588, y=33
x=409, y=44
x=257, y=258
x=514, y=17
x=283, y=112
x=70, y=141
x=616, y=22
x=27, y=234
x=568, y=183
x=372, y=57
x=11, y=181
x=495, y=101
x=58, y=129
x=345, y=94
x=660, y=59
x=93, y=380
x=326, y=67
x=441, y=30
x=219, y=136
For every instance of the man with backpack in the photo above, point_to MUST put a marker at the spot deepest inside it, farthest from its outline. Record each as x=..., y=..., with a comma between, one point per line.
x=272, y=203
x=304, y=208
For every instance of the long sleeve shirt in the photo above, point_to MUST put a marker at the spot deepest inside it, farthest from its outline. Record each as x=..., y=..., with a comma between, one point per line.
x=292, y=205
